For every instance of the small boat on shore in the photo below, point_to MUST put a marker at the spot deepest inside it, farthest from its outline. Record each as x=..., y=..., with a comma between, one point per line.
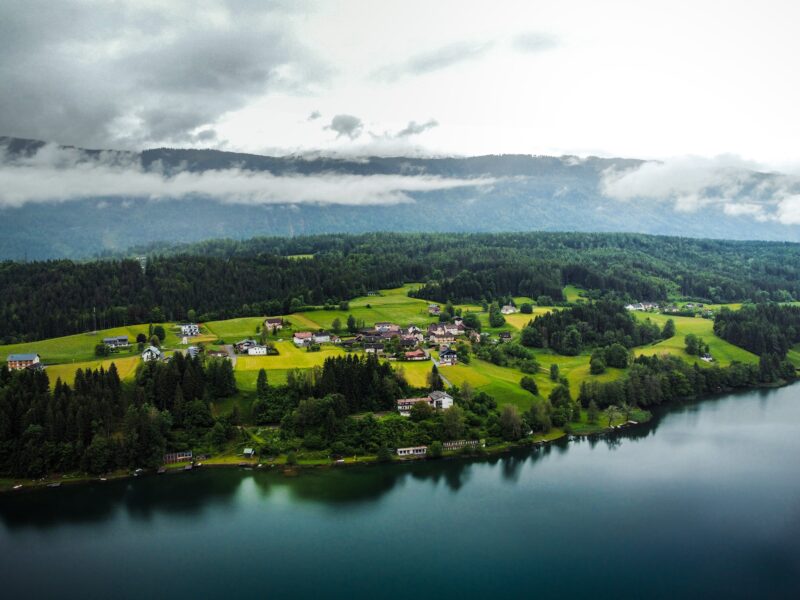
x=55, y=484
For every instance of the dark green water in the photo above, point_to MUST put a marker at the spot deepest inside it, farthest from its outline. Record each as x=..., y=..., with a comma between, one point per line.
x=703, y=502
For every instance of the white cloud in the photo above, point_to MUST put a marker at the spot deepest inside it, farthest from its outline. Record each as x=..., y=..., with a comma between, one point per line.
x=739, y=188
x=55, y=174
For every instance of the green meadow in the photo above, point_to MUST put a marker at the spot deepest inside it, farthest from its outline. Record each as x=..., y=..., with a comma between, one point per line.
x=723, y=352
x=64, y=355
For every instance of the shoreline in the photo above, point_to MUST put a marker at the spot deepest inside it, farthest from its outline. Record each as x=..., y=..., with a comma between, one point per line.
x=10, y=485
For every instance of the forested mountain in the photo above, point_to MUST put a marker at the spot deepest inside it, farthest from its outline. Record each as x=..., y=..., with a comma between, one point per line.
x=223, y=279
x=527, y=193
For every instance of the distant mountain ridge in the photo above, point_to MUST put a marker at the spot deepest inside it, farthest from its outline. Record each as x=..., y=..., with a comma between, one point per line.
x=532, y=193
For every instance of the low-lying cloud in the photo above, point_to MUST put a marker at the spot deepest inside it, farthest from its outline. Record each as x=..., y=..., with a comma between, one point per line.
x=737, y=187
x=56, y=174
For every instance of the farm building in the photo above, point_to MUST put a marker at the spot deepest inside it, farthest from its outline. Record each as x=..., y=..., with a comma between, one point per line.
x=120, y=341
x=321, y=337
x=193, y=351
x=434, y=309
x=273, y=324
x=23, y=361
x=508, y=309
x=257, y=350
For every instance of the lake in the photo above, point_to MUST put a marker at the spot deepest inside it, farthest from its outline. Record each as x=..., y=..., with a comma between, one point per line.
x=702, y=502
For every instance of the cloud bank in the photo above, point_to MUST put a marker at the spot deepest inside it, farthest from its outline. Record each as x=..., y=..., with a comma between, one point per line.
x=737, y=187
x=57, y=174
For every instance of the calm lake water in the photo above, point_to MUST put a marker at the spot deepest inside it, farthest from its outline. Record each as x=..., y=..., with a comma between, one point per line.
x=703, y=502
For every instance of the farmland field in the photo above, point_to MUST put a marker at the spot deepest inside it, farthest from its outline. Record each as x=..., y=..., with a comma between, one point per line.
x=723, y=352
x=80, y=347
x=126, y=367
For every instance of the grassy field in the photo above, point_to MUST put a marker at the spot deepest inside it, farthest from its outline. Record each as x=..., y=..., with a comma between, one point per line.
x=126, y=367
x=65, y=355
x=574, y=294
x=80, y=347
x=723, y=352
x=416, y=373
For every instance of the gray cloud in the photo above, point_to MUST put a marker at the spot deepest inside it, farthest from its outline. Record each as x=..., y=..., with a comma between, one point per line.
x=414, y=128
x=441, y=58
x=346, y=125
x=534, y=42
x=727, y=183
x=130, y=73
x=55, y=174
x=314, y=115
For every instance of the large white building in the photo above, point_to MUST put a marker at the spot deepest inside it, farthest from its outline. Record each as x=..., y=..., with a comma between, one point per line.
x=257, y=350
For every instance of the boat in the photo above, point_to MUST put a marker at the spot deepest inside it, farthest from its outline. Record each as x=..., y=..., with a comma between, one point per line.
x=162, y=470
x=19, y=485
x=55, y=484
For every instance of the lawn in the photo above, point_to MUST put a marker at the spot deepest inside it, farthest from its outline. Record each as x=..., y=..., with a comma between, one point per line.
x=519, y=320
x=233, y=330
x=723, y=352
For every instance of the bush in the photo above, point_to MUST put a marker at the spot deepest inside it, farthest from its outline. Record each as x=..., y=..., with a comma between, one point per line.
x=529, y=383
x=526, y=308
x=291, y=458
x=385, y=454
x=435, y=450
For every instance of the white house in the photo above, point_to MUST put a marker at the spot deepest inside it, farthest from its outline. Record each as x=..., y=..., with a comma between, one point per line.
x=151, y=353
x=508, y=309
x=441, y=400
x=413, y=451
x=257, y=350
x=273, y=324
x=448, y=358
x=190, y=329
x=120, y=341
x=321, y=337
x=303, y=338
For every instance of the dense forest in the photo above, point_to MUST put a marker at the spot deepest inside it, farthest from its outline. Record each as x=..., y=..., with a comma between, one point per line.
x=587, y=325
x=760, y=328
x=223, y=279
x=654, y=380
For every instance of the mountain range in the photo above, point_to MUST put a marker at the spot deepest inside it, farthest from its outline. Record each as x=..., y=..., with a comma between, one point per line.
x=492, y=194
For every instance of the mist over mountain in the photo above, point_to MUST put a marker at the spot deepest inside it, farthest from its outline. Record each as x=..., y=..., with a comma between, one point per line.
x=59, y=201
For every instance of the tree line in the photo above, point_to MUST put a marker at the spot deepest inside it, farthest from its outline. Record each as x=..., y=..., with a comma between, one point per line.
x=224, y=279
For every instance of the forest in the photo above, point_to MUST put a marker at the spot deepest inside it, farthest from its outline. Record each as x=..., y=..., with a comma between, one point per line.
x=225, y=278
x=760, y=328
x=587, y=325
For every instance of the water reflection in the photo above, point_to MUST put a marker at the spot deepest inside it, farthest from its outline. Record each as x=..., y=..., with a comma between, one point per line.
x=188, y=495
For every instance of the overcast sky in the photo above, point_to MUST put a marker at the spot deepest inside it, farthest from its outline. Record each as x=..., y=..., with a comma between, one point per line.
x=635, y=79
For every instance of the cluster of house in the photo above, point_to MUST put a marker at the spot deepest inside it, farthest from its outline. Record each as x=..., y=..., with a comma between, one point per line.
x=251, y=347
x=437, y=400
x=645, y=306
x=302, y=339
